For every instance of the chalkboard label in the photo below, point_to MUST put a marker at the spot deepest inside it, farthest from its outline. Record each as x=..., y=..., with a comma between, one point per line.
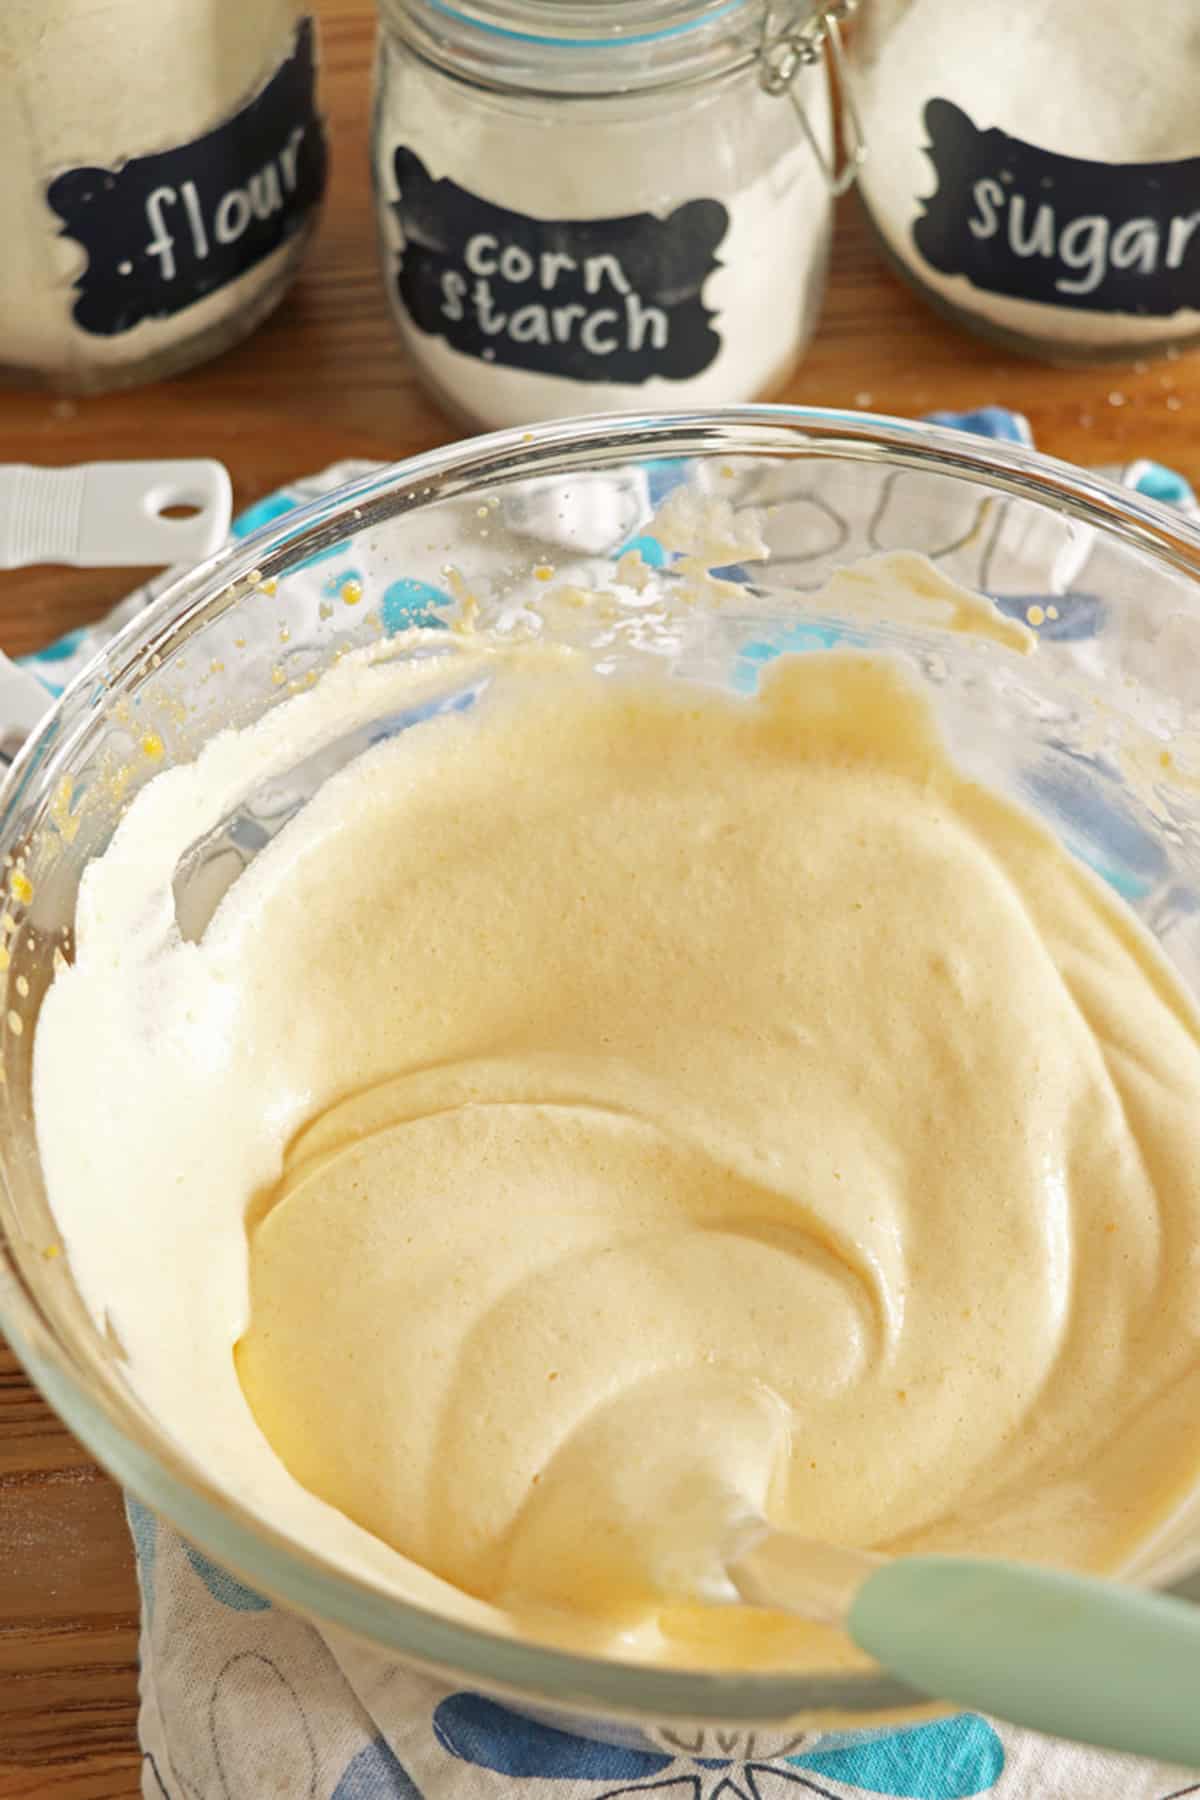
x=591, y=300
x=163, y=231
x=1017, y=220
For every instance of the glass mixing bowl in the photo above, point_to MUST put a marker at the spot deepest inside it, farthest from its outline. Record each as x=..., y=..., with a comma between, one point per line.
x=1095, y=731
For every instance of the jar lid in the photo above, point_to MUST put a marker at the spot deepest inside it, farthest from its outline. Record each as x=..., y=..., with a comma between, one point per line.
x=599, y=49
x=584, y=24
x=585, y=48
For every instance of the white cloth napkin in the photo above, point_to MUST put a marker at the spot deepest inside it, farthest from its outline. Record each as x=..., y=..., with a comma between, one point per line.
x=241, y=1700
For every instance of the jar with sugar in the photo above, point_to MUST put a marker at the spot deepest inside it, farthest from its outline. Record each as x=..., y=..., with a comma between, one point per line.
x=163, y=165
x=1034, y=167
x=586, y=205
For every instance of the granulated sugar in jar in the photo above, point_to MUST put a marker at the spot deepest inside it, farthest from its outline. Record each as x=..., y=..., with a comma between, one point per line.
x=163, y=161
x=1034, y=167
x=596, y=204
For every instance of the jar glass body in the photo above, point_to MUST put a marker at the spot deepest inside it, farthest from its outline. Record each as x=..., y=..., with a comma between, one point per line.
x=163, y=168
x=554, y=249
x=1032, y=169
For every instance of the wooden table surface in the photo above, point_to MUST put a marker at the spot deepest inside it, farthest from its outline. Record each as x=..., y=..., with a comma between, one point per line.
x=324, y=379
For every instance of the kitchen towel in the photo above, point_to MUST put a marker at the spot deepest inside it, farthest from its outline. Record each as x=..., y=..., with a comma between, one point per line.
x=241, y=1700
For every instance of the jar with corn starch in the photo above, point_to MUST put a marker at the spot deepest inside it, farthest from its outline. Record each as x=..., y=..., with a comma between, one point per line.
x=595, y=204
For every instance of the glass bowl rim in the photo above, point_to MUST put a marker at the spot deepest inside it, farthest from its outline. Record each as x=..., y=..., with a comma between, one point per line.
x=300, y=1578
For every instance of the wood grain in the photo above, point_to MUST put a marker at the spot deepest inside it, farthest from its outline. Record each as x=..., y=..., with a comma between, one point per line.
x=324, y=379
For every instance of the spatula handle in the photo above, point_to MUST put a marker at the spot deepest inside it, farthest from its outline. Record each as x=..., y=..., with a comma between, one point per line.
x=1068, y=1654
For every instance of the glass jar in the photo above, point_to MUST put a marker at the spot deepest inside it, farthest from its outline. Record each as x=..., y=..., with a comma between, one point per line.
x=163, y=166
x=1033, y=169
x=584, y=207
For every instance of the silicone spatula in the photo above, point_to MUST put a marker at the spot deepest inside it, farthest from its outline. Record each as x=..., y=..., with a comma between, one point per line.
x=1073, y=1655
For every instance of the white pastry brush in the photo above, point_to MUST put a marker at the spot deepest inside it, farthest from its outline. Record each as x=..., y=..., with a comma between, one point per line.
x=96, y=515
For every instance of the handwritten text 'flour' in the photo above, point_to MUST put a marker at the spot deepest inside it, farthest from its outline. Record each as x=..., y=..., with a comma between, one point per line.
x=264, y=193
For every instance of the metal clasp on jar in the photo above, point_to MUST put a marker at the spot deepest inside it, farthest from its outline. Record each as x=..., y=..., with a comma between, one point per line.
x=798, y=42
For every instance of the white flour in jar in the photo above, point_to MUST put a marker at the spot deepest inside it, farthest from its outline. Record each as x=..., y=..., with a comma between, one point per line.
x=89, y=89
x=578, y=160
x=1086, y=79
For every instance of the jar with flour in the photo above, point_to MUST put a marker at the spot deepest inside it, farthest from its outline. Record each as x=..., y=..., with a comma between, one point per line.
x=163, y=164
x=1034, y=167
x=595, y=204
